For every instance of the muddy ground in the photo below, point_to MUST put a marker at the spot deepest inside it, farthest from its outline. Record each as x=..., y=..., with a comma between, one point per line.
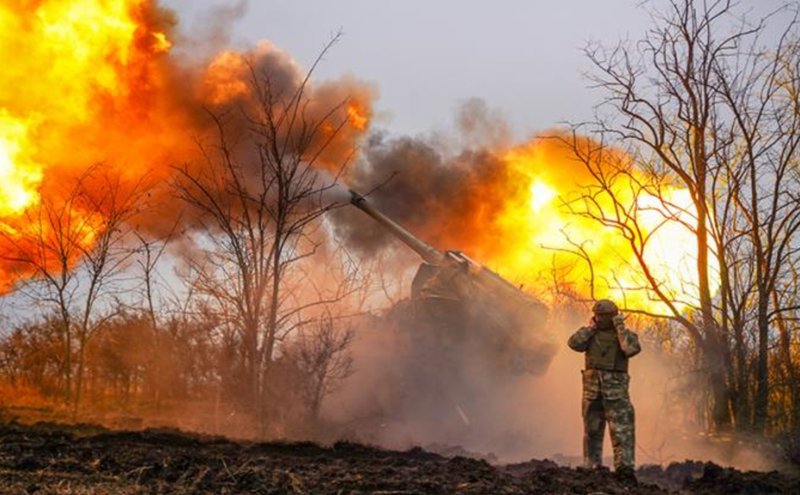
x=47, y=458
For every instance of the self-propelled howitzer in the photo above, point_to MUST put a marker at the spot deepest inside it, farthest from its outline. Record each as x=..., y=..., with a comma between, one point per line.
x=483, y=310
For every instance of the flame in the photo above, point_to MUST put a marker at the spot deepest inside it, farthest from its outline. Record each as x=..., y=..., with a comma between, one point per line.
x=161, y=43
x=88, y=82
x=357, y=116
x=76, y=75
x=542, y=195
x=18, y=175
x=536, y=233
x=226, y=78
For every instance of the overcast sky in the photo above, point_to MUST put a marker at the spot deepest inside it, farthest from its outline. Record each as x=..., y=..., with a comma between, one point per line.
x=425, y=56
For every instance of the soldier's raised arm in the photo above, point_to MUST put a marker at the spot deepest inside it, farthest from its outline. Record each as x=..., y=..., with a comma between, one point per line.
x=579, y=341
x=628, y=340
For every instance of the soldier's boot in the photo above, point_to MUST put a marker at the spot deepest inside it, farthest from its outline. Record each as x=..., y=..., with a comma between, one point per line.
x=625, y=474
x=621, y=425
x=594, y=426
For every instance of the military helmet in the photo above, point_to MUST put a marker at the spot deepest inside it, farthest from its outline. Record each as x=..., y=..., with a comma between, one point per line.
x=605, y=306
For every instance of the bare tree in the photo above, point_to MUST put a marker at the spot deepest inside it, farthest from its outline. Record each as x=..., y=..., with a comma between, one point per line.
x=259, y=201
x=321, y=353
x=700, y=105
x=73, y=244
x=762, y=132
x=150, y=252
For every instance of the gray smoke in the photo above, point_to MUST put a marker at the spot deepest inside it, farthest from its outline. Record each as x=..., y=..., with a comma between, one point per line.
x=434, y=186
x=211, y=29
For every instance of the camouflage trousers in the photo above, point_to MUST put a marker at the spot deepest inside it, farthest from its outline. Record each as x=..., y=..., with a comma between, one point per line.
x=606, y=401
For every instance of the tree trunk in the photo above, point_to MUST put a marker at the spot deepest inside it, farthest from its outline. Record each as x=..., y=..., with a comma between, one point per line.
x=67, y=360
x=743, y=417
x=715, y=348
x=79, y=376
x=251, y=370
x=762, y=374
x=790, y=370
x=714, y=354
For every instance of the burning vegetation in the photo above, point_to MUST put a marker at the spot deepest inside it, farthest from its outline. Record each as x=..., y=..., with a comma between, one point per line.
x=177, y=246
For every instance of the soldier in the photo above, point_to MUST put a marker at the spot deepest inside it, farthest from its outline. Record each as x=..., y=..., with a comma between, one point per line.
x=608, y=345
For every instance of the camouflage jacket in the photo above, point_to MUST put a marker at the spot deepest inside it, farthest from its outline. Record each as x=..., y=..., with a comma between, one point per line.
x=628, y=340
x=609, y=385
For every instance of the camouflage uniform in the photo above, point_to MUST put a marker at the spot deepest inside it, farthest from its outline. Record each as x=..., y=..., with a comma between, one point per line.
x=605, y=390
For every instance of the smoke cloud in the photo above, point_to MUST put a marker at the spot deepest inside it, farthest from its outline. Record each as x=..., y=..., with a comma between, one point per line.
x=442, y=197
x=402, y=395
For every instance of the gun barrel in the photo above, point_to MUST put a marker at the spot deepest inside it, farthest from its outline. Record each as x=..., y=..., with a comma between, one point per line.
x=427, y=252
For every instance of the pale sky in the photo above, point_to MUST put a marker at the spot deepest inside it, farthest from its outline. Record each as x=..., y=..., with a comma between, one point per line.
x=522, y=57
x=425, y=56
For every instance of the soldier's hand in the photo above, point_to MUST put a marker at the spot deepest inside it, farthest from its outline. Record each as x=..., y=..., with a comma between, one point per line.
x=619, y=322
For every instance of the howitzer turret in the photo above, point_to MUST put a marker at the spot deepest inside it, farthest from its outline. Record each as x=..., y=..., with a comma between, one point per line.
x=479, y=306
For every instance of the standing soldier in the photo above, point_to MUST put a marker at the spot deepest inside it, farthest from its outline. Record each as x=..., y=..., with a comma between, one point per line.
x=608, y=345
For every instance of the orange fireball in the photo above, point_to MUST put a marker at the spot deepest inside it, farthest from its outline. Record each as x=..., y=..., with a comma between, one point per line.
x=544, y=238
x=75, y=76
x=88, y=82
